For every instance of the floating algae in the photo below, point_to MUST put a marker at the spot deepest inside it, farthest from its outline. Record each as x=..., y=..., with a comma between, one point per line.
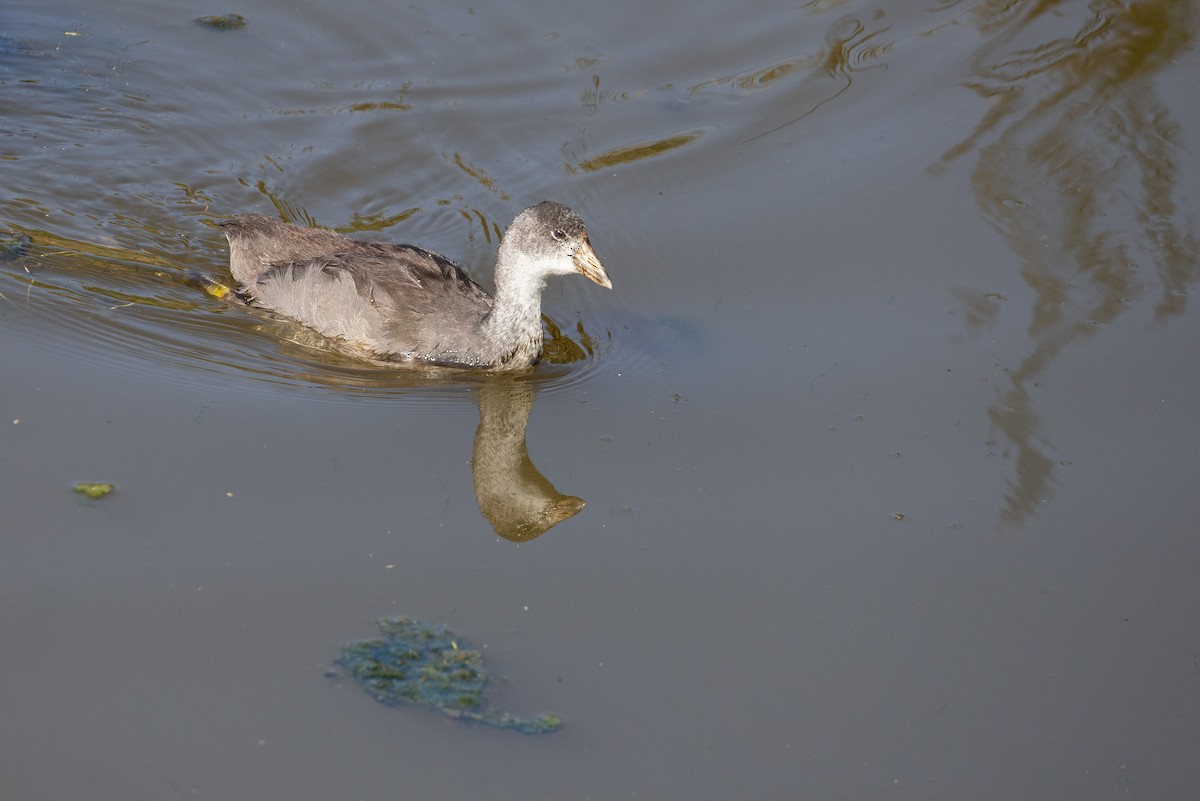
x=424, y=665
x=222, y=22
x=93, y=490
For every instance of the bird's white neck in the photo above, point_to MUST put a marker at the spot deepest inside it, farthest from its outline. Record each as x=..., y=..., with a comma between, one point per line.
x=513, y=328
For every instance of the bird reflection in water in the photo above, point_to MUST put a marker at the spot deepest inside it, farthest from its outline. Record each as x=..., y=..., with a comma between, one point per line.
x=519, y=502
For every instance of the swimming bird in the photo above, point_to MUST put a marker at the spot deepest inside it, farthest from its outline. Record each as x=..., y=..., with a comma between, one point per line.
x=403, y=304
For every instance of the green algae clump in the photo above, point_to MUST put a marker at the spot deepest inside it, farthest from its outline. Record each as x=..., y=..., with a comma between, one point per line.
x=422, y=665
x=222, y=22
x=93, y=490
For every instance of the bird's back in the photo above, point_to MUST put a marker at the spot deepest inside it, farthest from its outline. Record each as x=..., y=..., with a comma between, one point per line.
x=396, y=301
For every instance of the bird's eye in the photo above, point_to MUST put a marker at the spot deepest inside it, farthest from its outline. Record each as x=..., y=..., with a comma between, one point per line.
x=559, y=234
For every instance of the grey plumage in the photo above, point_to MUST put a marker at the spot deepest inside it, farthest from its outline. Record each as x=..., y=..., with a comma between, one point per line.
x=402, y=303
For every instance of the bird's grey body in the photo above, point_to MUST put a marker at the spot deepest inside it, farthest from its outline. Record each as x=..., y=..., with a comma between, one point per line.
x=402, y=303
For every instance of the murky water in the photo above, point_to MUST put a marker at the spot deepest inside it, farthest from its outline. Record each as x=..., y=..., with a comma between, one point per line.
x=886, y=432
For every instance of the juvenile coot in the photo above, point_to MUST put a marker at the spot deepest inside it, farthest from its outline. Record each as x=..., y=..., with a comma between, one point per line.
x=401, y=303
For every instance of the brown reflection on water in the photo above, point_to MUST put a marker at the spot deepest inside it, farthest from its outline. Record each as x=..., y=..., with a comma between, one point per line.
x=851, y=46
x=480, y=176
x=1078, y=169
x=516, y=499
x=636, y=151
x=806, y=81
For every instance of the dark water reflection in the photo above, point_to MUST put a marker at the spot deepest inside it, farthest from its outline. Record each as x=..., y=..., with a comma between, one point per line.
x=1078, y=168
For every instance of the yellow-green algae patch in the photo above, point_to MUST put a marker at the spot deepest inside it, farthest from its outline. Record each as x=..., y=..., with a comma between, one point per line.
x=92, y=490
x=637, y=151
x=222, y=22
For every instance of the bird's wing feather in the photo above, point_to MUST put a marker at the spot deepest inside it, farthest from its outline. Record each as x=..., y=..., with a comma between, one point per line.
x=418, y=304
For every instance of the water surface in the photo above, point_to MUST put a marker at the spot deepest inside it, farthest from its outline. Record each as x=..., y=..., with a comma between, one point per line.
x=886, y=432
